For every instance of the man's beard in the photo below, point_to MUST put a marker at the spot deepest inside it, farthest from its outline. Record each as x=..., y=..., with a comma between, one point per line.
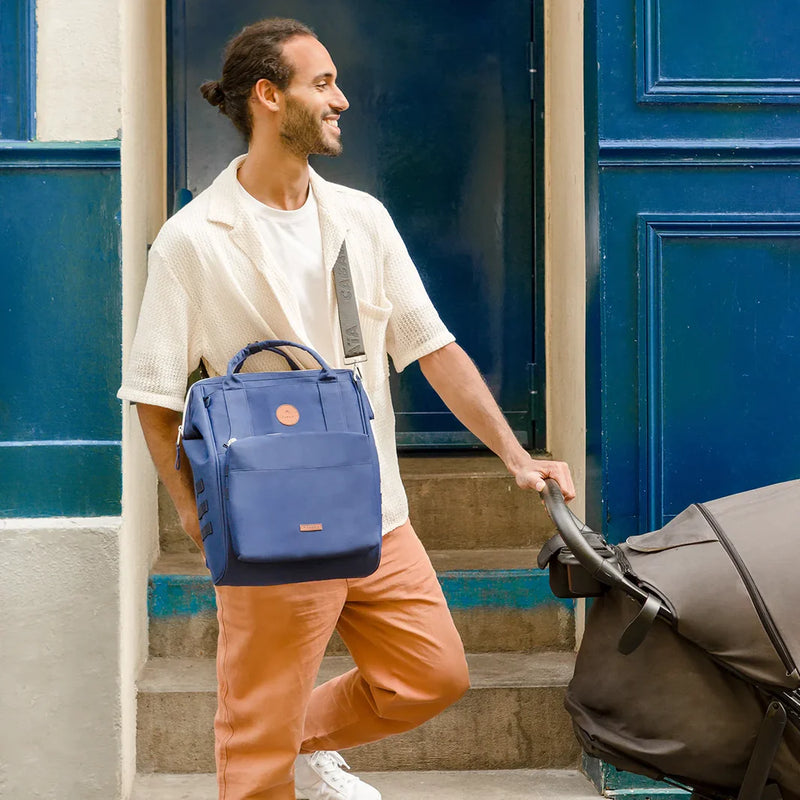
x=303, y=134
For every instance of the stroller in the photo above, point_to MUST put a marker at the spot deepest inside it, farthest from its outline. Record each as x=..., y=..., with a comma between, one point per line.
x=688, y=668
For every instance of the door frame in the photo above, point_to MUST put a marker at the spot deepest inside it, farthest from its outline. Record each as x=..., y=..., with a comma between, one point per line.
x=594, y=428
x=538, y=383
x=176, y=180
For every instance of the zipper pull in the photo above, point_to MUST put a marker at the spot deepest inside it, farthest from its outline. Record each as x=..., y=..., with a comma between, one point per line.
x=178, y=447
x=180, y=428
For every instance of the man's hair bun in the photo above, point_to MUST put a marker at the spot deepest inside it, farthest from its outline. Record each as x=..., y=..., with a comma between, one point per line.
x=212, y=91
x=254, y=54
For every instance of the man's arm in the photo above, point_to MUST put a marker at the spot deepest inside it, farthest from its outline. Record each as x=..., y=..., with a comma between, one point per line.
x=160, y=428
x=451, y=372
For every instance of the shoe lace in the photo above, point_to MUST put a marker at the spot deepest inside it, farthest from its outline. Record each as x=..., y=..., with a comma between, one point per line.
x=329, y=765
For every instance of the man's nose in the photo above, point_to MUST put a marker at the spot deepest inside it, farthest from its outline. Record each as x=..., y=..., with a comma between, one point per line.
x=340, y=101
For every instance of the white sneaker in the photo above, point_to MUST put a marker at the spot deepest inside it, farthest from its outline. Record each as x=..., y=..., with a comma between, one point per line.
x=319, y=776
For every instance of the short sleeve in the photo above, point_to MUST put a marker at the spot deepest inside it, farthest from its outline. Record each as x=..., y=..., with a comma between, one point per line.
x=415, y=328
x=166, y=347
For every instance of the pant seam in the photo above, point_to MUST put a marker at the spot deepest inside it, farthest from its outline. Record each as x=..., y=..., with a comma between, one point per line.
x=222, y=701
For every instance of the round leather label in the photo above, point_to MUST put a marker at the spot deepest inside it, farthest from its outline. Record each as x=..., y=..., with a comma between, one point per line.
x=287, y=415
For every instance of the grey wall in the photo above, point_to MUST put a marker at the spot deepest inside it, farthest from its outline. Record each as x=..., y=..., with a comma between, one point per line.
x=59, y=659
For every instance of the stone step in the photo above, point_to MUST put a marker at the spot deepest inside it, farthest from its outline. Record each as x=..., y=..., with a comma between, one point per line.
x=458, y=501
x=499, y=600
x=521, y=784
x=511, y=718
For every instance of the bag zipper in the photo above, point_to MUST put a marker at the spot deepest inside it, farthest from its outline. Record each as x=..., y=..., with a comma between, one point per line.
x=227, y=469
x=755, y=595
x=359, y=387
x=180, y=429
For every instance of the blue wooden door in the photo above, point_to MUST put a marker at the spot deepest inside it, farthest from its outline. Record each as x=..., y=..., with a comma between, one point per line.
x=441, y=129
x=694, y=274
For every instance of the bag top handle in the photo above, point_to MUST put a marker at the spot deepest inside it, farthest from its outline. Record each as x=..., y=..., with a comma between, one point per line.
x=235, y=364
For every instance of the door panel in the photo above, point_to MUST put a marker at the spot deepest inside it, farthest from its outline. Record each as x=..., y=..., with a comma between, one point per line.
x=439, y=129
x=679, y=69
x=693, y=277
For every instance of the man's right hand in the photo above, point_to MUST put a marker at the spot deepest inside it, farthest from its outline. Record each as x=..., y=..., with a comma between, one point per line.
x=160, y=428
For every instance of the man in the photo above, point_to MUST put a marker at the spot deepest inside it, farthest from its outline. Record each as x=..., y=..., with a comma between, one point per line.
x=250, y=258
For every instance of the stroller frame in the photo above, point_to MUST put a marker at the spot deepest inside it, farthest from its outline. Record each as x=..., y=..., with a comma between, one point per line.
x=769, y=737
x=594, y=571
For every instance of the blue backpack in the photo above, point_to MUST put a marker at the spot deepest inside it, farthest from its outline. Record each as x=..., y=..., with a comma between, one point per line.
x=286, y=472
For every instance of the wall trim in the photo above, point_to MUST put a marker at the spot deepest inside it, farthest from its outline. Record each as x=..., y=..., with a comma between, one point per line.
x=103, y=524
x=653, y=87
x=177, y=146
x=706, y=152
x=60, y=155
x=63, y=443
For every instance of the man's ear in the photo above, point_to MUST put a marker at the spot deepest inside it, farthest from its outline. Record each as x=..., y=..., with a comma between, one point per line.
x=267, y=95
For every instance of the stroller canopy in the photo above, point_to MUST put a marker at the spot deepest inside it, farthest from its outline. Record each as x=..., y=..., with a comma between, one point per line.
x=730, y=572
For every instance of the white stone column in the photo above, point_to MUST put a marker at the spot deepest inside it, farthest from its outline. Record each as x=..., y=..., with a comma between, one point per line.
x=565, y=253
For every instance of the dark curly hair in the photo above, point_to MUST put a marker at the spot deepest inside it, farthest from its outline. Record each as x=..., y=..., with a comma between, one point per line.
x=255, y=53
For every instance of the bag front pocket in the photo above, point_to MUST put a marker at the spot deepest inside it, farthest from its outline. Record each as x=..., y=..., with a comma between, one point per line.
x=303, y=496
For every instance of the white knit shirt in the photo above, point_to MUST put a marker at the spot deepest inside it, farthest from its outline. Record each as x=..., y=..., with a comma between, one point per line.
x=295, y=241
x=213, y=287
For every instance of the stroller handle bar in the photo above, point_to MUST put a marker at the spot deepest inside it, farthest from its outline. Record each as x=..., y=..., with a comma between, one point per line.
x=602, y=569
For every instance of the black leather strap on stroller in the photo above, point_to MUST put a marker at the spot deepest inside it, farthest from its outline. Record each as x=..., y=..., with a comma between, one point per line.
x=556, y=544
x=766, y=747
x=636, y=632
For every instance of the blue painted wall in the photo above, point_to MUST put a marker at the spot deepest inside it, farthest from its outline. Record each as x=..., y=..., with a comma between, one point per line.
x=60, y=324
x=694, y=254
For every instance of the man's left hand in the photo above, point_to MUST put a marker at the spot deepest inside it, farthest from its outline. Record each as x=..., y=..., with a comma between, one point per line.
x=531, y=475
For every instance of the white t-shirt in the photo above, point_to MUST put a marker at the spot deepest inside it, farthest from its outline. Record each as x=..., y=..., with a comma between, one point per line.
x=295, y=241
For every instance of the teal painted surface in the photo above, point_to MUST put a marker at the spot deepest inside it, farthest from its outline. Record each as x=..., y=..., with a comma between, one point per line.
x=60, y=322
x=186, y=595
x=180, y=596
x=657, y=792
x=78, y=155
x=612, y=782
x=75, y=479
x=512, y=589
x=17, y=69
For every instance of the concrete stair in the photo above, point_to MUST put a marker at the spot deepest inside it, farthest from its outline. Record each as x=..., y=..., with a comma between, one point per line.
x=483, y=534
x=456, y=502
x=512, y=717
x=474, y=785
x=499, y=600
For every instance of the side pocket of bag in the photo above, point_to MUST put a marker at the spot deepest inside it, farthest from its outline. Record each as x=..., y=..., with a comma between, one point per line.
x=208, y=483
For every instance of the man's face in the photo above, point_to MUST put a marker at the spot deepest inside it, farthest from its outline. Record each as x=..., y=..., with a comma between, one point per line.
x=313, y=100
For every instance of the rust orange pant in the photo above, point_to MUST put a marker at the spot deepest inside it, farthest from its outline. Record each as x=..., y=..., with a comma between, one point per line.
x=409, y=659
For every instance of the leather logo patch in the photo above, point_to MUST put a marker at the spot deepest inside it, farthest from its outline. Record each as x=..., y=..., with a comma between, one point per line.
x=287, y=415
x=317, y=526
